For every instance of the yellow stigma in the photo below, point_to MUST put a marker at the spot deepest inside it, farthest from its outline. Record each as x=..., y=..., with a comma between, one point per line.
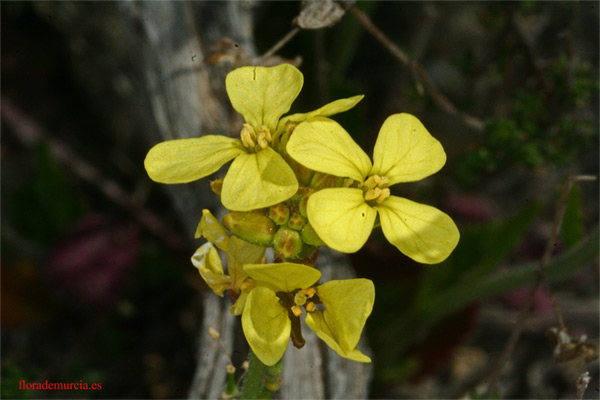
x=376, y=188
x=300, y=299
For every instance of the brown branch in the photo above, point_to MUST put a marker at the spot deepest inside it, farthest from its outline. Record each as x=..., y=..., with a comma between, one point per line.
x=282, y=42
x=524, y=313
x=417, y=69
x=29, y=132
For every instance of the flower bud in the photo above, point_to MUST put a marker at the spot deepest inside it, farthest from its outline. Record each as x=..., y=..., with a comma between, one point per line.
x=279, y=213
x=252, y=226
x=309, y=236
x=296, y=222
x=304, y=201
x=217, y=186
x=287, y=243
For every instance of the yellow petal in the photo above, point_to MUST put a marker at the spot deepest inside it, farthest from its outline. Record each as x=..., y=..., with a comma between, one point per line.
x=266, y=325
x=239, y=254
x=186, y=160
x=422, y=232
x=263, y=94
x=316, y=321
x=323, y=145
x=258, y=180
x=207, y=261
x=341, y=218
x=211, y=229
x=335, y=107
x=348, y=304
x=405, y=151
x=283, y=277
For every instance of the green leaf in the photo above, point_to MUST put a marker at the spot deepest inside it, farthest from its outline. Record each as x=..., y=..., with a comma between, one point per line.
x=480, y=250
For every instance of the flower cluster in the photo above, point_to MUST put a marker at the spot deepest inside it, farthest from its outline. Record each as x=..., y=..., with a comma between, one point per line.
x=295, y=183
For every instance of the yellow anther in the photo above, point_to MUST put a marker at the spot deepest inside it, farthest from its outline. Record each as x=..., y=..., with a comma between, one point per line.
x=296, y=310
x=376, y=188
x=248, y=136
x=309, y=292
x=310, y=306
x=263, y=137
x=385, y=193
x=247, y=284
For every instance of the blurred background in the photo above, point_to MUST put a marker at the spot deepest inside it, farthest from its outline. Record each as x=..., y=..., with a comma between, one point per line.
x=97, y=284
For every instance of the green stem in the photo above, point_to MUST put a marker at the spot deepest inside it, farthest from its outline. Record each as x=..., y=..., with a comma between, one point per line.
x=261, y=380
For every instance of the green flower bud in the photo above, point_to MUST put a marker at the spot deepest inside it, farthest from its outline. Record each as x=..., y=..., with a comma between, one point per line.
x=296, y=222
x=279, y=213
x=252, y=226
x=287, y=243
x=309, y=236
x=304, y=201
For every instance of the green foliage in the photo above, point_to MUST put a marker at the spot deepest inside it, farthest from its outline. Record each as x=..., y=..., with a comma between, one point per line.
x=44, y=204
x=11, y=376
x=542, y=128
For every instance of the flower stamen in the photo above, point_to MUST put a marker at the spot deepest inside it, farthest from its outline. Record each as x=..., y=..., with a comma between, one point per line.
x=376, y=188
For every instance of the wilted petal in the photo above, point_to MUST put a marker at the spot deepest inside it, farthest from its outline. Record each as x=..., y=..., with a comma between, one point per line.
x=207, y=262
x=266, y=325
x=283, y=277
x=323, y=145
x=329, y=109
x=258, y=180
x=341, y=218
x=211, y=229
x=422, y=232
x=186, y=160
x=405, y=151
x=263, y=94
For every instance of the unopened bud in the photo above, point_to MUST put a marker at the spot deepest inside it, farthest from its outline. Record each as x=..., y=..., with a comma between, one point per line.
x=213, y=333
x=230, y=369
x=217, y=186
x=304, y=202
x=287, y=243
x=252, y=226
x=296, y=222
x=279, y=213
x=309, y=236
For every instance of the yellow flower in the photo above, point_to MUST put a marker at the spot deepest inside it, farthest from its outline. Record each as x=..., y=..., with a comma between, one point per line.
x=239, y=252
x=258, y=176
x=336, y=311
x=344, y=217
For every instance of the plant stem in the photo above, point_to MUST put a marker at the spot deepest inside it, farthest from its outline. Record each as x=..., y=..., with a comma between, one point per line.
x=261, y=380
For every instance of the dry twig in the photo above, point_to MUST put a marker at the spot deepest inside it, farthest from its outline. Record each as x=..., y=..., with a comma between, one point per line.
x=523, y=314
x=29, y=132
x=417, y=69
